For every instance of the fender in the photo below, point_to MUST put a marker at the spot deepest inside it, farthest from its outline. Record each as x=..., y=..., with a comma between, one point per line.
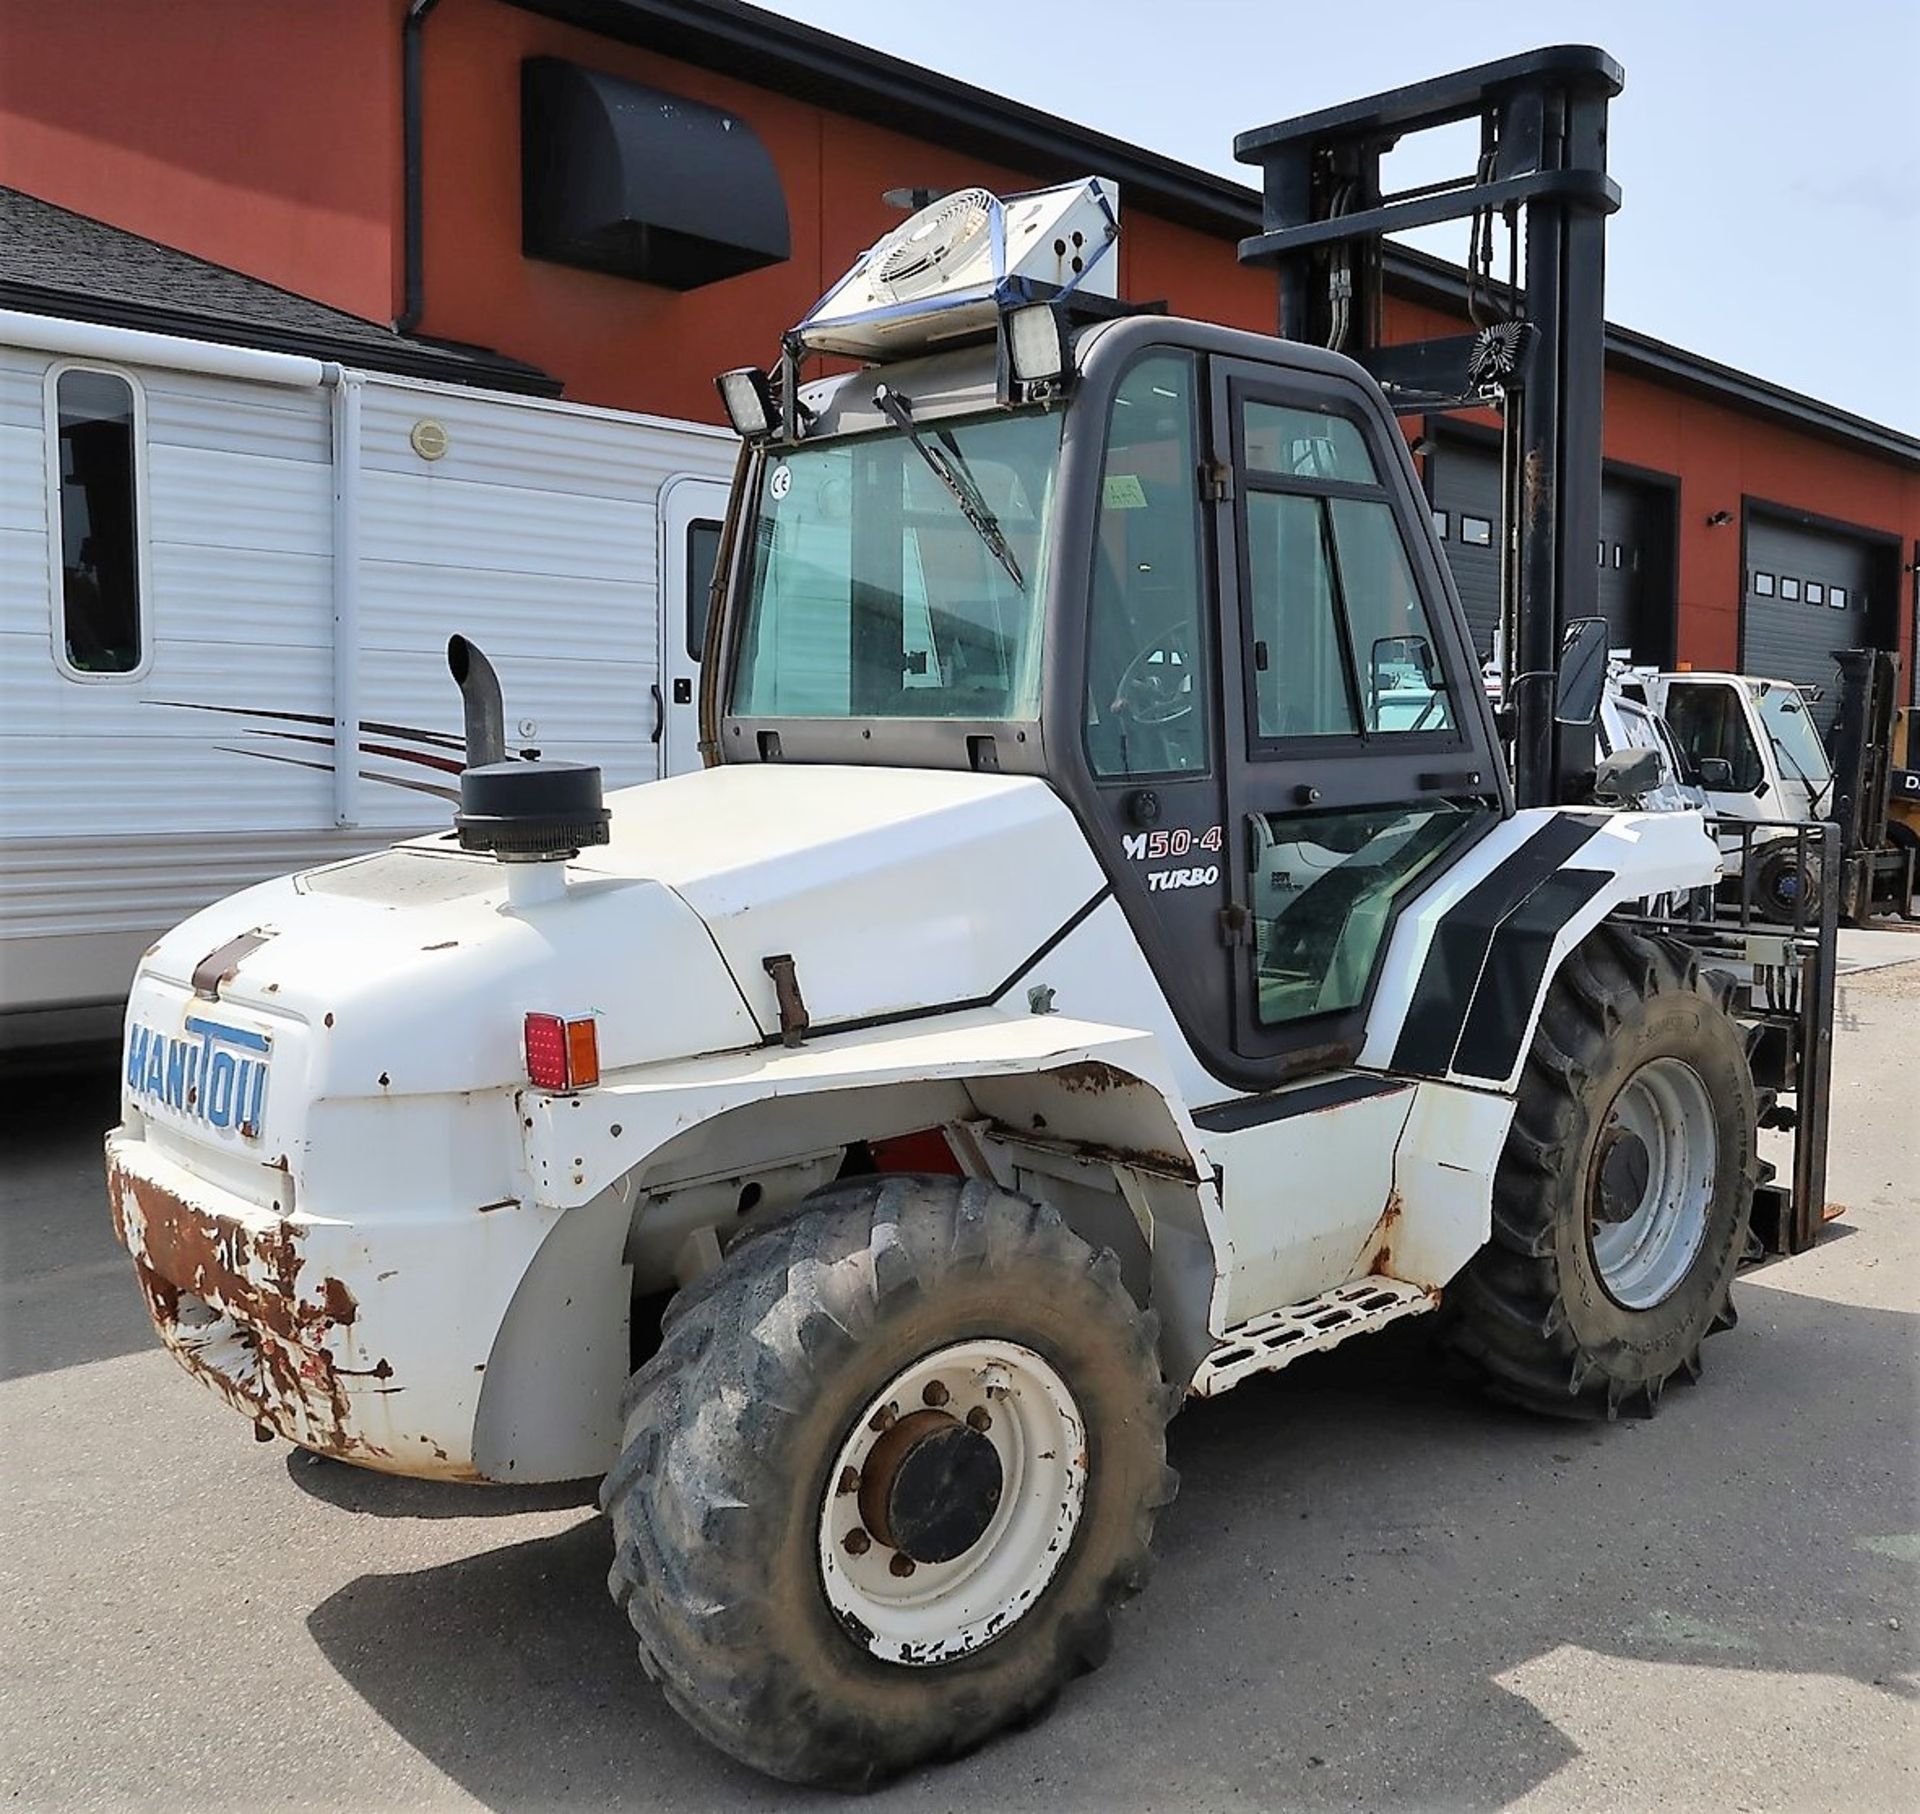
x=1469, y=965
x=1083, y=1115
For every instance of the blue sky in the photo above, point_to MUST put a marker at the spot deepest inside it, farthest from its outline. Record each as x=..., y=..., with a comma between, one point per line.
x=1769, y=153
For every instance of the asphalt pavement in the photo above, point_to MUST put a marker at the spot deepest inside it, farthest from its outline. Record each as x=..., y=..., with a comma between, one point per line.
x=1373, y=1593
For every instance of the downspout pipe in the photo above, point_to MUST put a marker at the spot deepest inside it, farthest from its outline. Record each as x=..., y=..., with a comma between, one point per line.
x=413, y=277
x=346, y=387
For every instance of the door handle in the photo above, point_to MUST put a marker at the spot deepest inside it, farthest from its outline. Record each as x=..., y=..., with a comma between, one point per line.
x=659, y=713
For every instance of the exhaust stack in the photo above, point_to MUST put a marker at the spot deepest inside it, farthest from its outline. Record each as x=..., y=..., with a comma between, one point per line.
x=533, y=816
x=486, y=712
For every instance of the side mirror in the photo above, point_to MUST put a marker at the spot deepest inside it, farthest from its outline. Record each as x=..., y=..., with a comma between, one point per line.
x=1582, y=674
x=1626, y=775
x=1394, y=656
x=1716, y=774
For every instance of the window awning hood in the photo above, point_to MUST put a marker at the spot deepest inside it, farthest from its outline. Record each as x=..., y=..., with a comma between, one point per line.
x=640, y=183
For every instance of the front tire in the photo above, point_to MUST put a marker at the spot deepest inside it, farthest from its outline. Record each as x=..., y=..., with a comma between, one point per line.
x=894, y=1465
x=1621, y=1202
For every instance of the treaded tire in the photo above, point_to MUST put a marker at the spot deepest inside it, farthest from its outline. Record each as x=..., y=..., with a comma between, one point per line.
x=733, y=1426
x=1782, y=894
x=1530, y=1319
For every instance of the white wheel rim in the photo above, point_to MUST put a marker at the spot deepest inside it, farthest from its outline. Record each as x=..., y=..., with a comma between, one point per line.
x=932, y=1612
x=1643, y=1257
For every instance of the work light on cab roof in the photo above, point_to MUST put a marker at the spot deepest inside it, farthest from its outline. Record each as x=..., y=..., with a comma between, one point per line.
x=967, y=266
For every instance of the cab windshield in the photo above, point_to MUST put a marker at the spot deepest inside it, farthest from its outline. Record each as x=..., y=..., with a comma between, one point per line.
x=874, y=591
x=1790, y=725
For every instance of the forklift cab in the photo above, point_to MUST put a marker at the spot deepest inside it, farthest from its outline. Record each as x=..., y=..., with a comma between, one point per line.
x=1751, y=744
x=1190, y=581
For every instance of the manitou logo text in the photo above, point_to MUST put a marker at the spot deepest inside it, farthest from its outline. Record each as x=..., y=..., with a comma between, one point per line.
x=216, y=1075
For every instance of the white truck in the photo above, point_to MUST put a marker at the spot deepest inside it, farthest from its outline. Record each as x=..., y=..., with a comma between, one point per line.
x=1752, y=746
x=1068, y=991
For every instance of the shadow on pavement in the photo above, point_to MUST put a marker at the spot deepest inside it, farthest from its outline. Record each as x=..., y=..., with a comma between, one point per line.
x=390, y=1496
x=1358, y=1557
x=67, y=1293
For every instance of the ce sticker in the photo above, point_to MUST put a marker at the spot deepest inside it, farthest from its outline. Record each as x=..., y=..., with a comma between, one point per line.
x=781, y=483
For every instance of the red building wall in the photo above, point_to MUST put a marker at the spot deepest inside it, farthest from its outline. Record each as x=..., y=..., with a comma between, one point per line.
x=267, y=137
x=261, y=136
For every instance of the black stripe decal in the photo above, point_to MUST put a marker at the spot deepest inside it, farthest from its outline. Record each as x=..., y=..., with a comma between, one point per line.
x=1516, y=965
x=1457, y=956
x=1280, y=1105
x=379, y=728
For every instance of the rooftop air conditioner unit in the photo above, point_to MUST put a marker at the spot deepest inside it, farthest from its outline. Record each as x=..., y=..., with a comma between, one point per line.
x=947, y=272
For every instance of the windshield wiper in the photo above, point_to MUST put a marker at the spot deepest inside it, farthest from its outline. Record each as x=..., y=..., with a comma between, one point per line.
x=949, y=466
x=1816, y=793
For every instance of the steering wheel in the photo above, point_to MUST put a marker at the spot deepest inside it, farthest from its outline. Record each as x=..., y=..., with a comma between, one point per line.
x=1157, y=686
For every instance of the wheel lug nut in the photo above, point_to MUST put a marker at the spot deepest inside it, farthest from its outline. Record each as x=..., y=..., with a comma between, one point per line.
x=884, y=1418
x=977, y=1419
x=901, y=1566
x=849, y=1482
x=857, y=1542
x=935, y=1394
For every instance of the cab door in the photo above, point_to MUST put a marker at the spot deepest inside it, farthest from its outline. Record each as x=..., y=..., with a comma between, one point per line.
x=1723, y=750
x=691, y=513
x=1358, y=758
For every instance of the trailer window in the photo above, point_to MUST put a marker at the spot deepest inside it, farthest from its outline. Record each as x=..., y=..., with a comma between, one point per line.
x=97, y=521
x=703, y=549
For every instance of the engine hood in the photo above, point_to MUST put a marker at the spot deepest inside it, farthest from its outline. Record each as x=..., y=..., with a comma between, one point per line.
x=409, y=971
x=893, y=890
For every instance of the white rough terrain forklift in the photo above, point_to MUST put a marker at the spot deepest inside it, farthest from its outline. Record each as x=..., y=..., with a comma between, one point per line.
x=1077, y=983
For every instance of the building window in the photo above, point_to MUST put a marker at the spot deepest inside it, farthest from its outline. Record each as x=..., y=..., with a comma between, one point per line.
x=703, y=549
x=1440, y=524
x=1789, y=588
x=1816, y=593
x=1476, y=531
x=1616, y=557
x=95, y=436
x=1837, y=597
x=1763, y=585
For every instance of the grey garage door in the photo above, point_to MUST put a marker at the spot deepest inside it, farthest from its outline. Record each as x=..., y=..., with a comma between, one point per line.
x=1466, y=512
x=1634, y=550
x=1806, y=596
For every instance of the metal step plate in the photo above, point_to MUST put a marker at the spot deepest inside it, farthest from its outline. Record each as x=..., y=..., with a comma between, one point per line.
x=1277, y=1338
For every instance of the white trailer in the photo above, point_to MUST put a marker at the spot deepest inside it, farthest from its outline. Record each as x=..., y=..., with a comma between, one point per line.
x=219, y=567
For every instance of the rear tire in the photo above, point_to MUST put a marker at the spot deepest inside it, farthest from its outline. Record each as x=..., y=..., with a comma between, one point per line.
x=1621, y=1202
x=737, y=1503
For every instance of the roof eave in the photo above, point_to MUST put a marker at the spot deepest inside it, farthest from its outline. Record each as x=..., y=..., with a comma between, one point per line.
x=408, y=359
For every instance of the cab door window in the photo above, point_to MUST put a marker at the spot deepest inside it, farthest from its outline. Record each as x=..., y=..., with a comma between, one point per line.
x=1709, y=722
x=1146, y=693
x=1339, y=641
x=1346, y=801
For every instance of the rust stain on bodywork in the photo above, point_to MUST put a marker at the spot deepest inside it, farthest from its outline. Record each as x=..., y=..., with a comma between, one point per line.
x=1376, y=1251
x=227, y=1300
x=1090, y=1077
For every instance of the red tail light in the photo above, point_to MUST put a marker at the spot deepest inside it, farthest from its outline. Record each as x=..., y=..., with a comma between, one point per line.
x=562, y=1055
